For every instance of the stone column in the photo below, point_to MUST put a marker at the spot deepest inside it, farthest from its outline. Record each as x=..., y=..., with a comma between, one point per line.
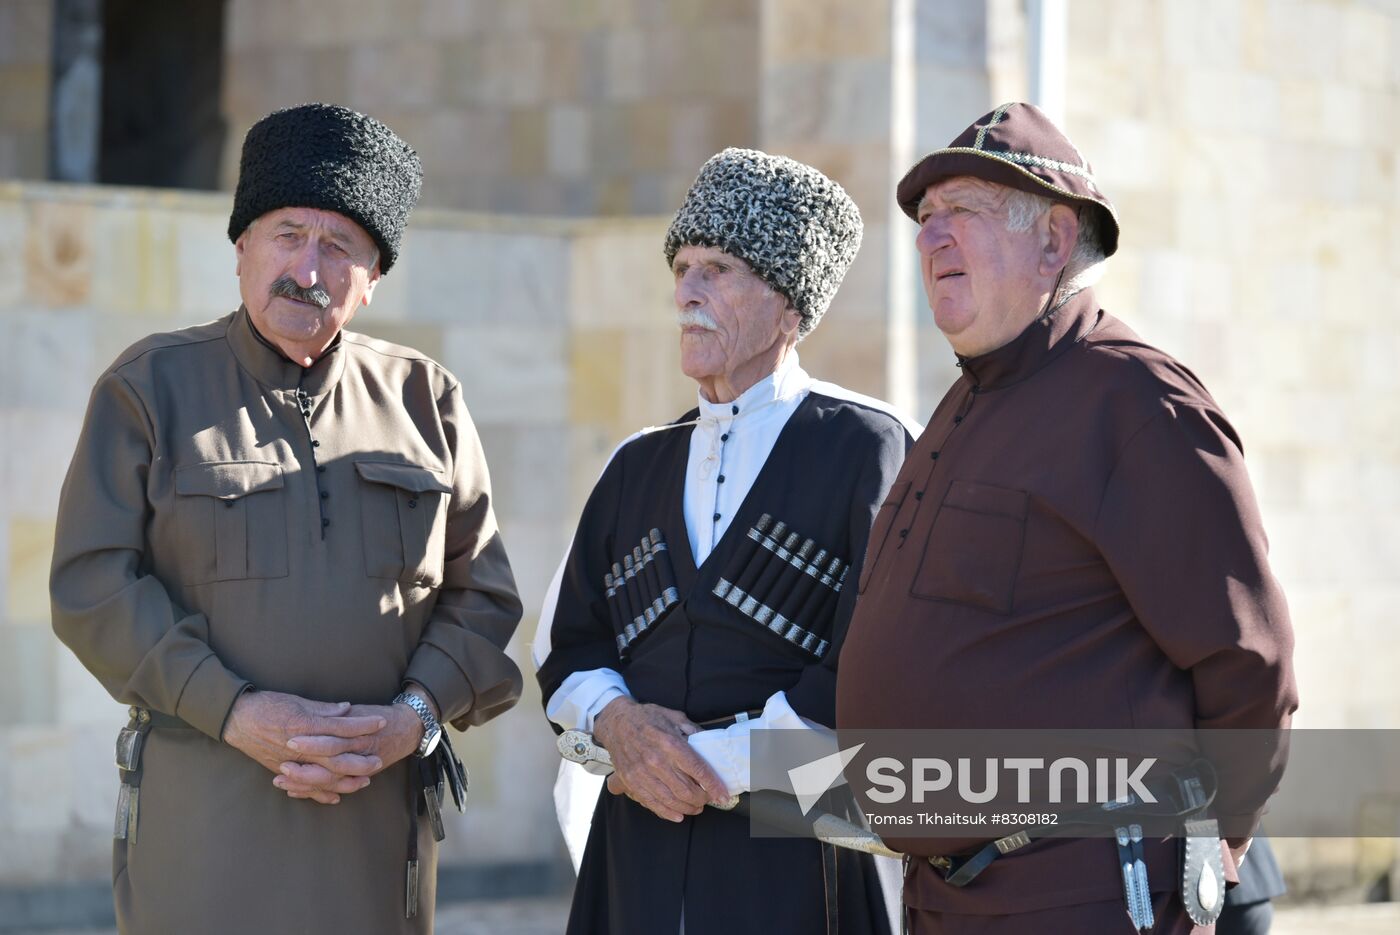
x=836, y=90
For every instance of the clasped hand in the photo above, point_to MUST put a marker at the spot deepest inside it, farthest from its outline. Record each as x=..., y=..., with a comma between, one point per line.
x=654, y=765
x=321, y=750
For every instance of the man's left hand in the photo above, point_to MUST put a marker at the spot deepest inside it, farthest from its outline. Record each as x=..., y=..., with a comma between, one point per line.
x=399, y=738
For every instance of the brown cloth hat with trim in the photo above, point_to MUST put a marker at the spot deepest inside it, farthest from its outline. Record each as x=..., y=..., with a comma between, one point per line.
x=1018, y=146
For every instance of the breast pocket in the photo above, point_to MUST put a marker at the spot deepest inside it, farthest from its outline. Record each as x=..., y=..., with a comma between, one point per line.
x=403, y=509
x=232, y=520
x=880, y=530
x=973, y=553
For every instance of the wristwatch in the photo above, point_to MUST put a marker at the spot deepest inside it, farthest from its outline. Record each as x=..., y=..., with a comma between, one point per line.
x=432, y=730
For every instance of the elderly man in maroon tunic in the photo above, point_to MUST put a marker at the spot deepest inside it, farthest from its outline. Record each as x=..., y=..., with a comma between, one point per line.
x=1073, y=542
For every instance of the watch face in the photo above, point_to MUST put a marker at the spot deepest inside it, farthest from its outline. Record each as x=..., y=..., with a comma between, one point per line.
x=430, y=742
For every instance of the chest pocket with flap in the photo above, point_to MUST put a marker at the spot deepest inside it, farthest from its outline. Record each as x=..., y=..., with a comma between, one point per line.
x=403, y=508
x=232, y=520
x=973, y=554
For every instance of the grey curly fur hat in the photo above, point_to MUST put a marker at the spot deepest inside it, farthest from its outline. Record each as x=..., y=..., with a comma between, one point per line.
x=332, y=158
x=797, y=228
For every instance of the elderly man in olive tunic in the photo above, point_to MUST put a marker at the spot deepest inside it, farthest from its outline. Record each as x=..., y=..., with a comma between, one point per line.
x=276, y=542
x=1073, y=543
x=706, y=591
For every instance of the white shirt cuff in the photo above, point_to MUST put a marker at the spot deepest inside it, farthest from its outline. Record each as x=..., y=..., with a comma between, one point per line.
x=727, y=749
x=582, y=697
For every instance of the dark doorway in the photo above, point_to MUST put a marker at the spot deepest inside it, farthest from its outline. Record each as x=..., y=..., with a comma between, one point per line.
x=162, y=74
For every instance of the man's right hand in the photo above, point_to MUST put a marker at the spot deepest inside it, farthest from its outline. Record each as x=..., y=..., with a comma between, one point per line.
x=655, y=765
x=261, y=723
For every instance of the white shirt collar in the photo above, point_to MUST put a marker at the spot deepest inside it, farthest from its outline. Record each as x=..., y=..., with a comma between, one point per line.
x=788, y=380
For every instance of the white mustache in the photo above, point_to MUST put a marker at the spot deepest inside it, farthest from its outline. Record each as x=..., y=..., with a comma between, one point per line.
x=696, y=318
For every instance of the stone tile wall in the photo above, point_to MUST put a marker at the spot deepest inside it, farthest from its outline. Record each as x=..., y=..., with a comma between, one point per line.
x=591, y=107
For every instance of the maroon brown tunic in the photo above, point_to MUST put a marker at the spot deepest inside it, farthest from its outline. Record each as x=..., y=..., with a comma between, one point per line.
x=1073, y=543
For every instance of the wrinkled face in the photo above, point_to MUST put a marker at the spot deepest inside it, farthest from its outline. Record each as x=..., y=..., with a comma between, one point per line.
x=729, y=317
x=304, y=272
x=979, y=277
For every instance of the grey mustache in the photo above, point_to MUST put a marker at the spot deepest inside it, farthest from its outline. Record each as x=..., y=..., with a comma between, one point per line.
x=288, y=288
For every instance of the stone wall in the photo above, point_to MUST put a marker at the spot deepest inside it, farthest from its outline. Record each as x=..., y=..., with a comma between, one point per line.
x=591, y=107
x=1252, y=150
x=25, y=27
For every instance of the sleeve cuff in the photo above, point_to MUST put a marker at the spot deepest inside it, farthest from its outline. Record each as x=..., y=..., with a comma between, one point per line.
x=208, y=697
x=443, y=680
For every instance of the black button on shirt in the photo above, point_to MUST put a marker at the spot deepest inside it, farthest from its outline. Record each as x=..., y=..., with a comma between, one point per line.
x=325, y=522
x=716, y=517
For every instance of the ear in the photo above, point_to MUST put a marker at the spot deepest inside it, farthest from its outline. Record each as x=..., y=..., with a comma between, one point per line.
x=374, y=275
x=1059, y=231
x=238, y=253
x=790, y=321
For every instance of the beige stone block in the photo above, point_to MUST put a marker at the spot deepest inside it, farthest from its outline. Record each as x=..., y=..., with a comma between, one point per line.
x=54, y=342
x=536, y=547
x=733, y=123
x=1198, y=33
x=1301, y=38
x=838, y=102
x=400, y=75
x=1365, y=45
x=512, y=71
x=95, y=788
x=848, y=353
x=133, y=266
x=1165, y=292
x=1300, y=109
x=58, y=252
x=1344, y=117
x=40, y=783
x=1148, y=219
x=564, y=67
x=25, y=32
x=725, y=60
x=204, y=265
x=529, y=142
x=40, y=445
x=654, y=390
x=452, y=19
x=609, y=138
x=24, y=96
x=568, y=141
x=1228, y=100
x=529, y=470
x=30, y=857
x=596, y=380
x=822, y=30
x=27, y=573
x=512, y=374
x=614, y=196
x=625, y=75
x=13, y=224
x=486, y=278
x=81, y=701
x=649, y=135
x=618, y=276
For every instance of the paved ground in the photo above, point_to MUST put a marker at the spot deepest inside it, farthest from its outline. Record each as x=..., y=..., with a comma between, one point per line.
x=546, y=917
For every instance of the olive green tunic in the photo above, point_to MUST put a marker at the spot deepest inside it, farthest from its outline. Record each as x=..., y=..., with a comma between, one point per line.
x=210, y=537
